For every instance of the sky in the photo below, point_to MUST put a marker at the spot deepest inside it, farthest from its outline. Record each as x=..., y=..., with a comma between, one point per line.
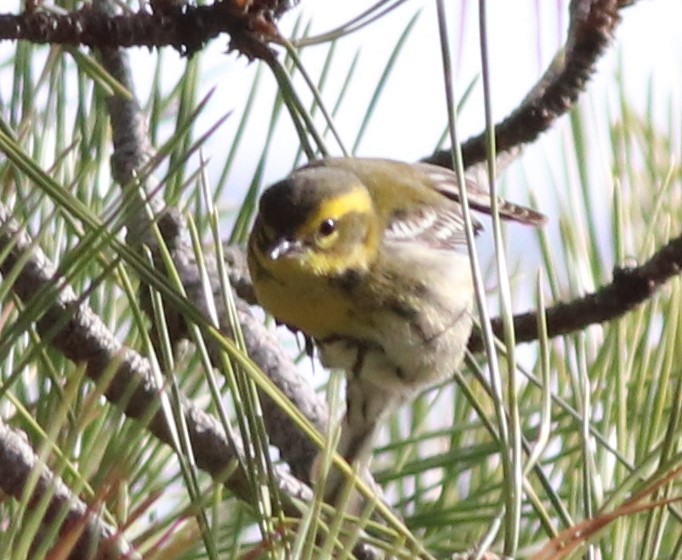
x=523, y=37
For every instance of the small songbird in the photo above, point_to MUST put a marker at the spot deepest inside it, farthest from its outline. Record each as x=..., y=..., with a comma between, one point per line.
x=368, y=258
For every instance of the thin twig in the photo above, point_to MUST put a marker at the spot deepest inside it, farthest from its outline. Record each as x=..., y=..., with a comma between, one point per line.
x=186, y=28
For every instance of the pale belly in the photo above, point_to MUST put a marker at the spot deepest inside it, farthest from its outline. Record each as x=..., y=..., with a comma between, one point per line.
x=398, y=359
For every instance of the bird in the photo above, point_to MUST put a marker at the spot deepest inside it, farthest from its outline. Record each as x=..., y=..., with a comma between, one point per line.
x=368, y=258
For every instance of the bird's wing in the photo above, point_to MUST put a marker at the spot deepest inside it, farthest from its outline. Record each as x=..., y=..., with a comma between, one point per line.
x=445, y=182
x=437, y=228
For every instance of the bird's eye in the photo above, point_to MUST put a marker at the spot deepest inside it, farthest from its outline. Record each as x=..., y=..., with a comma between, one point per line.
x=327, y=227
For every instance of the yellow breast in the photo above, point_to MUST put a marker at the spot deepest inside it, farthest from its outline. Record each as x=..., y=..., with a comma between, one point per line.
x=301, y=300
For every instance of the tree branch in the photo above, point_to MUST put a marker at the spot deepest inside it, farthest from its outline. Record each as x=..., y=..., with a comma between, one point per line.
x=591, y=29
x=185, y=27
x=630, y=288
x=73, y=329
x=79, y=524
x=131, y=151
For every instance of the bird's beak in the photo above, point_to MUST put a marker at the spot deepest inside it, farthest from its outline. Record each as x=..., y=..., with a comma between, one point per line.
x=284, y=248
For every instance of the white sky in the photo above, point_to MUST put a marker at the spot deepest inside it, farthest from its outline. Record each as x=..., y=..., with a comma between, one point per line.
x=523, y=37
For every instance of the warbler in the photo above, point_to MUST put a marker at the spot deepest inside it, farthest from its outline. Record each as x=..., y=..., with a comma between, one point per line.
x=368, y=258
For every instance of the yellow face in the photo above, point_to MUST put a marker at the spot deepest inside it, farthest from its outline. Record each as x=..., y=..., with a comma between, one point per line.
x=311, y=230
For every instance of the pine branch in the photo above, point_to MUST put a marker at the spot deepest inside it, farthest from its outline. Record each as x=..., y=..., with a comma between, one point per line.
x=72, y=328
x=630, y=288
x=131, y=151
x=83, y=534
x=591, y=30
x=185, y=27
